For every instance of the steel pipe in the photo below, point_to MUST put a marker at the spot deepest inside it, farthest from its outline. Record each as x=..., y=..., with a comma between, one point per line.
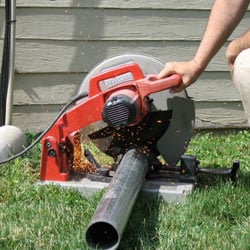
x=108, y=223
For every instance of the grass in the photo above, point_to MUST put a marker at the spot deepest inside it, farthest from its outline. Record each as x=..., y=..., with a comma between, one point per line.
x=215, y=216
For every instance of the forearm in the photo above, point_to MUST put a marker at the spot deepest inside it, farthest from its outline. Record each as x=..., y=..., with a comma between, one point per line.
x=224, y=17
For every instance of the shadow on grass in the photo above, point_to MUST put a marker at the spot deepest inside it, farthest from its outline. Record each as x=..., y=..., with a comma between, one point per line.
x=141, y=229
x=244, y=179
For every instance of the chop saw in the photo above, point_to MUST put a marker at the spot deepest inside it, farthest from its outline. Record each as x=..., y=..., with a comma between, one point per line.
x=126, y=107
x=129, y=107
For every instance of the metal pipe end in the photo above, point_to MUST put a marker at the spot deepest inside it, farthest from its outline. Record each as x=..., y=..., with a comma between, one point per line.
x=102, y=235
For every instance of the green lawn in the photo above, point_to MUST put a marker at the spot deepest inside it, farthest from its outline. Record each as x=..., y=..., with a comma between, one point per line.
x=215, y=216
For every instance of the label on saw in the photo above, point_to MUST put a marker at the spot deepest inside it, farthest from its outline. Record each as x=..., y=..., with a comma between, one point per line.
x=114, y=81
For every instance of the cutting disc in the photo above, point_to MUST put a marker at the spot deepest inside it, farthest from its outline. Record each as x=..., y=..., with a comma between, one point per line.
x=174, y=141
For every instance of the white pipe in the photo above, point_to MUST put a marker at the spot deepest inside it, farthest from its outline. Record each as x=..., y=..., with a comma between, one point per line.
x=9, y=99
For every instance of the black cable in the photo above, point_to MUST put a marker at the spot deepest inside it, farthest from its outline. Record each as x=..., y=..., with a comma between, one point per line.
x=5, y=63
x=71, y=102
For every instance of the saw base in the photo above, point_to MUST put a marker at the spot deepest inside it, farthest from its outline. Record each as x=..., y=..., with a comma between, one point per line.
x=167, y=190
x=172, y=184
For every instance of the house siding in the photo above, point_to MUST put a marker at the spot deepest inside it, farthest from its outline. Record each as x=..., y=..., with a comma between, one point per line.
x=58, y=42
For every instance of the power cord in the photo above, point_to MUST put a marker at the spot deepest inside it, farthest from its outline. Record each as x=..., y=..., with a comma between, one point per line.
x=71, y=102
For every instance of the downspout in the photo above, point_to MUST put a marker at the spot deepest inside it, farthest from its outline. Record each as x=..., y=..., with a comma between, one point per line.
x=8, y=64
x=9, y=99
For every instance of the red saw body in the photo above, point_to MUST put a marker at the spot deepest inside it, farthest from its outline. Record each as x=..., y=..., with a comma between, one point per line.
x=118, y=96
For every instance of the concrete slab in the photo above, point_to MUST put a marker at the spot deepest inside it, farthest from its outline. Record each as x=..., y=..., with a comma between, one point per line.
x=169, y=191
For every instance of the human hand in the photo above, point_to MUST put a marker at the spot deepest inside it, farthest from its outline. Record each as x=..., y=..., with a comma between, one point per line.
x=189, y=72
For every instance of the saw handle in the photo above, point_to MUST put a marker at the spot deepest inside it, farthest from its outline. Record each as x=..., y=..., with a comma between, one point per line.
x=151, y=84
x=168, y=82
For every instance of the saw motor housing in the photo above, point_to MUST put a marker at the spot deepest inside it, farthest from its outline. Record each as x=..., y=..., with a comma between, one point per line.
x=124, y=108
x=129, y=105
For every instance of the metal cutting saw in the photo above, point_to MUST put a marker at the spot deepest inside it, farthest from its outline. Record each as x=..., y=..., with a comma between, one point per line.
x=126, y=106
